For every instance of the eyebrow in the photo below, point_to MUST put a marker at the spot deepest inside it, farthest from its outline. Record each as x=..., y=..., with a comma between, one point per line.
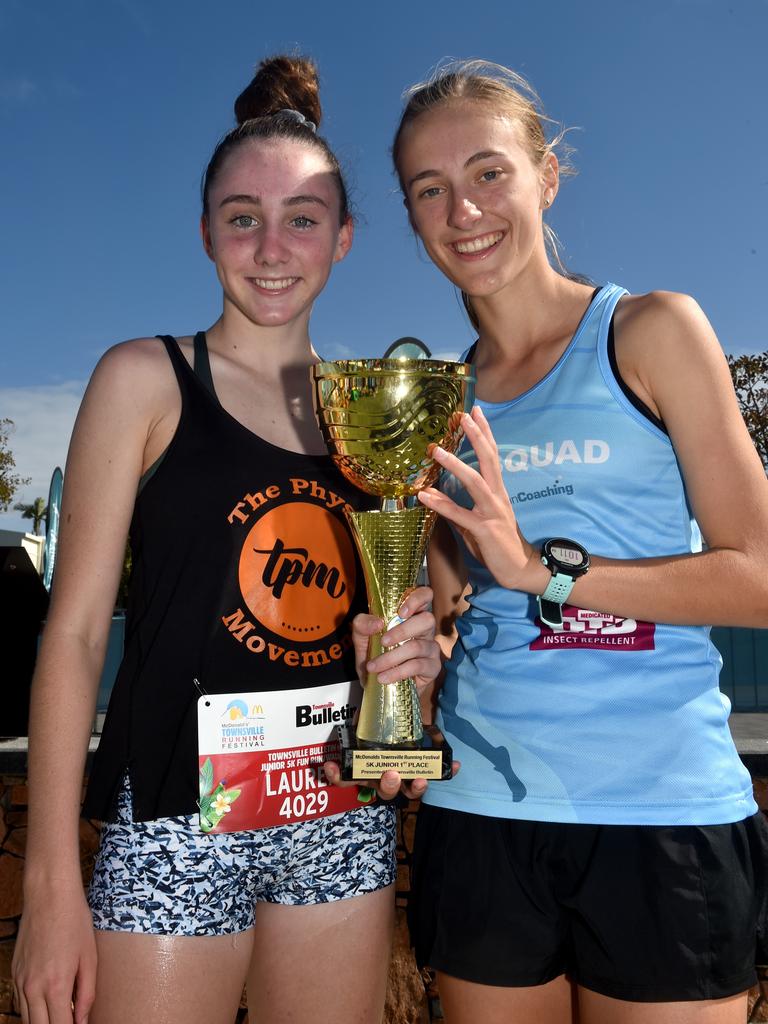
x=484, y=154
x=291, y=201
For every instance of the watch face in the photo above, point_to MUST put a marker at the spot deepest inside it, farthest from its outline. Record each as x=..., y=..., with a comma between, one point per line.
x=567, y=555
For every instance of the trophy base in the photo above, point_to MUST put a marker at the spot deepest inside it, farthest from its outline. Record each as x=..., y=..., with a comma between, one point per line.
x=430, y=757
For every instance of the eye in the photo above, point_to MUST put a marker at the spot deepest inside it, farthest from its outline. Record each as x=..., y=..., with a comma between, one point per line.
x=302, y=221
x=430, y=192
x=244, y=220
x=492, y=175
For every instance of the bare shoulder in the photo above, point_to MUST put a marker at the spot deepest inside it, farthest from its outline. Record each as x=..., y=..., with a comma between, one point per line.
x=661, y=322
x=120, y=428
x=139, y=360
x=658, y=315
x=664, y=340
x=137, y=374
x=133, y=397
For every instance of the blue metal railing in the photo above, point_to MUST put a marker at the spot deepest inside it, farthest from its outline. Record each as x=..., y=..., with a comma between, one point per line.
x=744, y=678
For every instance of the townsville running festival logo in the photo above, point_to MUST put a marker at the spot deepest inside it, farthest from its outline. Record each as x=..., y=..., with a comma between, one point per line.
x=241, y=726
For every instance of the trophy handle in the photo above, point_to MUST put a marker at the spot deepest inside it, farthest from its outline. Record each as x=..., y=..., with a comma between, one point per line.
x=391, y=547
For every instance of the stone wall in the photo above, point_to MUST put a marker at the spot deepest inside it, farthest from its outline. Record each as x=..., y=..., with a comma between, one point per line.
x=411, y=998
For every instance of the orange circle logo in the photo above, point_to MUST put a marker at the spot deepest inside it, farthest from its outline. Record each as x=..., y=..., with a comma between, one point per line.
x=297, y=571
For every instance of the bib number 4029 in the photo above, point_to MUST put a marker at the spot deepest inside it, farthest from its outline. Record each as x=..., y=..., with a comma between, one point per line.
x=300, y=804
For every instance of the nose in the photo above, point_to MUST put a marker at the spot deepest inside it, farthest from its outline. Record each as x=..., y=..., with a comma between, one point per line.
x=463, y=213
x=270, y=247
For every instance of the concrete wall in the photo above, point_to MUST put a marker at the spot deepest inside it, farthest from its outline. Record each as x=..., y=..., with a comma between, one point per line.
x=31, y=543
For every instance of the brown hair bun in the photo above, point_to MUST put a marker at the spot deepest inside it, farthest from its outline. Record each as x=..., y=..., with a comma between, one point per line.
x=281, y=83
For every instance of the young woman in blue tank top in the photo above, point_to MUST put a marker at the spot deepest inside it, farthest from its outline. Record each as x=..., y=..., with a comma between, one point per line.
x=233, y=505
x=598, y=855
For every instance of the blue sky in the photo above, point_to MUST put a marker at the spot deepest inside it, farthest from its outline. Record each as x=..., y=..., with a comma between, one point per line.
x=109, y=111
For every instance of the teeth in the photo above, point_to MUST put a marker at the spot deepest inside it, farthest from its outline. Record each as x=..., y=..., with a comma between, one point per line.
x=478, y=244
x=273, y=285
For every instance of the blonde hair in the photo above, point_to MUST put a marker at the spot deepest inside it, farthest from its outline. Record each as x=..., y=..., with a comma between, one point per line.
x=507, y=93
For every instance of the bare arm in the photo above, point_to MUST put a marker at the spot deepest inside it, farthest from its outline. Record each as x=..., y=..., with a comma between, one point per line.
x=673, y=356
x=670, y=354
x=105, y=461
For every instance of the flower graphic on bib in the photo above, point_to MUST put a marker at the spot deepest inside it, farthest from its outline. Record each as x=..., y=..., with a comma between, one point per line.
x=215, y=800
x=221, y=804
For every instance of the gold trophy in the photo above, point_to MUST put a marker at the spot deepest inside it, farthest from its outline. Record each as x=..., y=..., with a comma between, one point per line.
x=379, y=418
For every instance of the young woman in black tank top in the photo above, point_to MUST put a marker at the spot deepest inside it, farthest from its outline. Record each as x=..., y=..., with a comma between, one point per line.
x=192, y=444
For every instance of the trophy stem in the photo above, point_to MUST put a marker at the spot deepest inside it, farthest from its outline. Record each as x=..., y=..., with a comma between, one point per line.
x=391, y=546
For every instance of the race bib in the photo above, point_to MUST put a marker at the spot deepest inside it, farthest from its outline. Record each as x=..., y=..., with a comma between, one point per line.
x=260, y=756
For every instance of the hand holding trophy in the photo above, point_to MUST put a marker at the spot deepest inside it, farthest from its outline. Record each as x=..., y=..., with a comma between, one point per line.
x=380, y=419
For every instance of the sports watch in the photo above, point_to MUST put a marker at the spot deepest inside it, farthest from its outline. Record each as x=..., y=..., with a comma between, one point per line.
x=566, y=560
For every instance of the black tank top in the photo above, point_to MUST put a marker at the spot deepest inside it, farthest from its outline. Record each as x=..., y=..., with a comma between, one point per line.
x=245, y=576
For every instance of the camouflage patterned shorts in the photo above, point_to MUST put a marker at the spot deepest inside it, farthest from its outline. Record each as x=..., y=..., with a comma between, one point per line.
x=166, y=877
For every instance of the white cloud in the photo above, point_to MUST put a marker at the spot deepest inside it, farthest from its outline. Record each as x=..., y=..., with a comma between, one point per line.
x=337, y=350
x=18, y=90
x=43, y=416
x=451, y=356
x=22, y=89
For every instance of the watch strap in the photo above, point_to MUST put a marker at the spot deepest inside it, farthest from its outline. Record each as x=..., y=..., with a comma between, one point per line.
x=550, y=612
x=559, y=588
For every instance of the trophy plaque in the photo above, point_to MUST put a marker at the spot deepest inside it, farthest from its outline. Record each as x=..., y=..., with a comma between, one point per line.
x=379, y=419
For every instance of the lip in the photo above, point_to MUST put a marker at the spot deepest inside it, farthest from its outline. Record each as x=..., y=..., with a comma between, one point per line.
x=273, y=286
x=492, y=238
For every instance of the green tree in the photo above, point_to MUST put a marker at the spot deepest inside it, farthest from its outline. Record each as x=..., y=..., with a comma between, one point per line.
x=10, y=481
x=37, y=512
x=750, y=378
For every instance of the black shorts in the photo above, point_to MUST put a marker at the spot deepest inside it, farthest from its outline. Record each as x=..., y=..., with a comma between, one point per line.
x=636, y=912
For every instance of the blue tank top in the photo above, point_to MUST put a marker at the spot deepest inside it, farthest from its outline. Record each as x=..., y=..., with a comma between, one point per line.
x=605, y=720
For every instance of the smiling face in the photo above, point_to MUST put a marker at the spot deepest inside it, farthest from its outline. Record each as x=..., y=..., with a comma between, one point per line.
x=272, y=228
x=474, y=195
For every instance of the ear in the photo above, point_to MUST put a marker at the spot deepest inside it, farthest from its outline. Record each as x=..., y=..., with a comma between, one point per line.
x=344, y=240
x=550, y=180
x=205, y=234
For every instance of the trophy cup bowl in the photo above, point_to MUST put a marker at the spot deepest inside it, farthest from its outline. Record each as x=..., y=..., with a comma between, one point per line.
x=380, y=419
